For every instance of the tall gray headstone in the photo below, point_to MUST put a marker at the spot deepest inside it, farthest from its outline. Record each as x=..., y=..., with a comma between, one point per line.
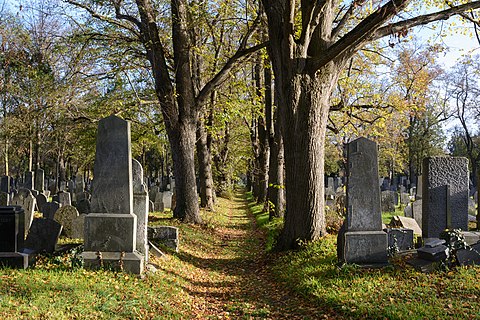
x=39, y=180
x=140, y=207
x=5, y=184
x=363, y=240
x=445, y=195
x=110, y=230
x=64, y=198
x=27, y=201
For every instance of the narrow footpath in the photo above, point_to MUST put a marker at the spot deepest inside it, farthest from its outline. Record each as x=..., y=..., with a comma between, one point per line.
x=226, y=275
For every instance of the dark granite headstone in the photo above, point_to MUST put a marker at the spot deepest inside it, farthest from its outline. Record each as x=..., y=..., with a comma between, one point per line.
x=83, y=206
x=43, y=236
x=29, y=182
x=39, y=180
x=364, y=241
x=41, y=200
x=49, y=209
x=400, y=238
x=12, y=231
x=445, y=195
x=5, y=184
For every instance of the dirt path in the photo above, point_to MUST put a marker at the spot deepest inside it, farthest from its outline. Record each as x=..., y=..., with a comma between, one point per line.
x=231, y=278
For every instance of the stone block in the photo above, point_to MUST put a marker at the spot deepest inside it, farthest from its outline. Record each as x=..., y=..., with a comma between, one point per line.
x=470, y=256
x=12, y=230
x=43, y=236
x=400, y=238
x=365, y=247
x=15, y=260
x=406, y=223
x=130, y=262
x=437, y=253
x=166, y=235
x=110, y=232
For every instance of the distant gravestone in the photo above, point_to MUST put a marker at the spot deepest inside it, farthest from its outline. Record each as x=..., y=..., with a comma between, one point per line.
x=363, y=240
x=408, y=211
x=111, y=227
x=65, y=216
x=71, y=186
x=50, y=209
x=78, y=226
x=417, y=210
x=26, y=200
x=43, y=236
x=388, y=201
x=41, y=200
x=29, y=182
x=406, y=223
x=64, y=198
x=151, y=206
x=167, y=199
x=140, y=207
x=445, y=195
x=404, y=198
x=83, y=206
x=152, y=193
x=39, y=180
x=4, y=199
x=5, y=184
x=159, y=205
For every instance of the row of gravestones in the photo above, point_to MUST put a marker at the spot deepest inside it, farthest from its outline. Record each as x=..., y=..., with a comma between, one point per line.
x=362, y=238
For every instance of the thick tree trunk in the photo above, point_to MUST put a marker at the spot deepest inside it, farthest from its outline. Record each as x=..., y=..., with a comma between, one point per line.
x=182, y=142
x=204, y=168
x=305, y=116
x=276, y=175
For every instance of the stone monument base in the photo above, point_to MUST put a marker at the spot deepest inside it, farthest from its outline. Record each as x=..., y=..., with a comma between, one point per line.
x=131, y=262
x=15, y=260
x=110, y=232
x=365, y=247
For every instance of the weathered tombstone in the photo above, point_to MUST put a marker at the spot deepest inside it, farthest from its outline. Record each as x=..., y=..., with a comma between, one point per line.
x=167, y=199
x=4, y=199
x=26, y=200
x=159, y=205
x=471, y=237
x=406, y=223
x=43, y=236
x=41, y=200
x=417, y=211
x=65, y=216
x=12, y=236
x=83, y=206
x=363, y=240
x=400, y=238
x=404, y=198
x=110, y=230
x=39, y=180
x=166, y=235
x=419, y=188
x=153, y=192
x=388, y=201
x=29, y=182
x=140, y=207
x=470, y=256
x=151, y=206
x=71, y=186
x=64, y=198
x=63, y=186
x=445, y=193
x=408, y=211
x=78, y=226
x=5, y=184
x=50, y=209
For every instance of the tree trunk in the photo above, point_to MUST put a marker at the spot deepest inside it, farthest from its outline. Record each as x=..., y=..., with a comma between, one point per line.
x=204, y=167
x=276, y=176
x=305, y=116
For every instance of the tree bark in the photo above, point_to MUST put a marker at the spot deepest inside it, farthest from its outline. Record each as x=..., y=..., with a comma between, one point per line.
x=204, y=168
x=276, y=175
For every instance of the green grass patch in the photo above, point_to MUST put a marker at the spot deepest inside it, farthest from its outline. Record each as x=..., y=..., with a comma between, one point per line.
x=389, y=293
x=272, y=227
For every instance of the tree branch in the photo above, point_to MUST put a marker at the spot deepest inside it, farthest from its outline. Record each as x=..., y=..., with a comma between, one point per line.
x=221, y=76
x=424, y=19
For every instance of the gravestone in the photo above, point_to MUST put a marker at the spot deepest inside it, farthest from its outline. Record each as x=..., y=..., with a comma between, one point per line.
x=406, y=223
x=110, y=230
x=43, y=236
x=140, y=207
x=78, y=226
x=159, y=205
x=404, y=198
x=167, y=199
x=151, y=206
x=153, y=192
x=408, y=211
x=417, y=211
x=363, y=240
x=12, y=236
x=5, y=184
x=26, y=200
x=83, y=206
x=470, y=256
x=29, y=182
x=64, y=198
x=445, y=195
x=388, y=201
x=71, y=186
x=65, y=216
x=41, y=200
x=400, y=238
x=166, y=235
x=50, y=209
x=39, y=180
x=4, y=199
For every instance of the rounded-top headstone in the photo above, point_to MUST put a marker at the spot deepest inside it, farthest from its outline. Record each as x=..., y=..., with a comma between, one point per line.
x=65, y=216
